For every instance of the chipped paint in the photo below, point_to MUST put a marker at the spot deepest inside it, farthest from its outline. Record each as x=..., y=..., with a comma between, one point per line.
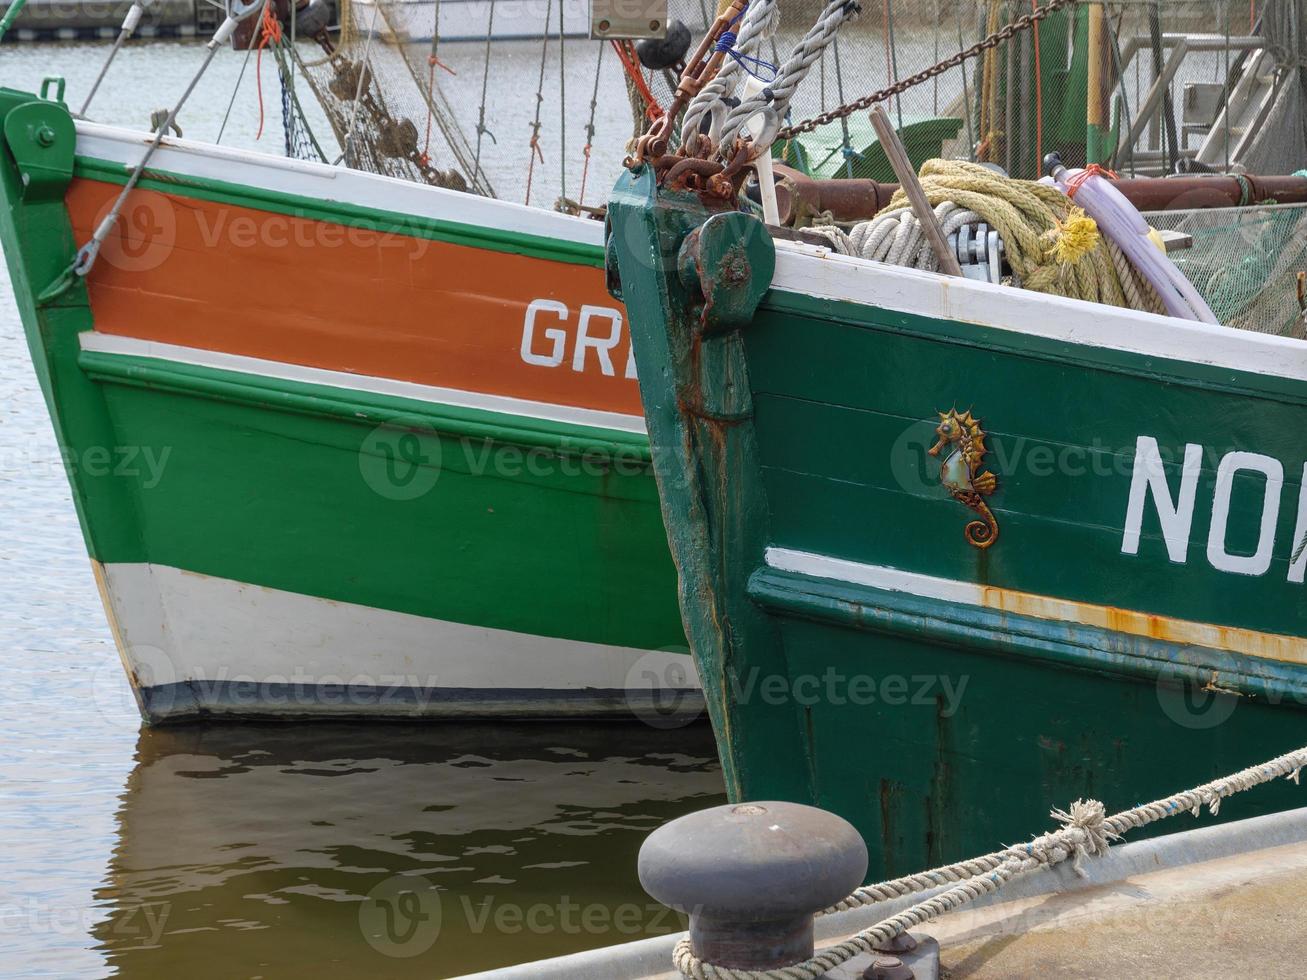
x=1250, y=643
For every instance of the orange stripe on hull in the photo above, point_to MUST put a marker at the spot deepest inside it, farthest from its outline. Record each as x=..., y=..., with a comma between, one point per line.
x=303, y=291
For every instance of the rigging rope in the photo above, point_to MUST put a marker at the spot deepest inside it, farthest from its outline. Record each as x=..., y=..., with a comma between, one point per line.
x=773, y=102
x=540, y=98
x=485, y=81
x=269, y=33
x=590, y=125
x=1085, y=832
x=758, y=21
x=433, y=62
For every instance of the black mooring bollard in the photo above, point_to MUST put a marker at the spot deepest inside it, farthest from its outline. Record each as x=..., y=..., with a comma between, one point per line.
x=751, y=876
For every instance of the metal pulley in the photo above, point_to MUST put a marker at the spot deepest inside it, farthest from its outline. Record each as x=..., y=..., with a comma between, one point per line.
x=979, y=251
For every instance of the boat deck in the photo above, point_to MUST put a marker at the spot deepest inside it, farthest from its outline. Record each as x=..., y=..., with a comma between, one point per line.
x=1234, y=916
x=1211, y=902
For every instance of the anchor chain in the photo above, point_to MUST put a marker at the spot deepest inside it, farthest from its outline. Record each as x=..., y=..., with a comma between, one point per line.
x=1023, y=23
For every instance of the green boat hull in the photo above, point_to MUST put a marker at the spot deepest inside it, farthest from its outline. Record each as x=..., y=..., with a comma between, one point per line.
x=1133, y=625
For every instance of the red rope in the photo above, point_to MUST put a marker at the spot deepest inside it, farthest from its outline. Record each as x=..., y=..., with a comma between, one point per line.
x=1078, y=181
x=269, y=32
x=432, y=62
x=585, y=169
x=626, y=52
x=530, y=169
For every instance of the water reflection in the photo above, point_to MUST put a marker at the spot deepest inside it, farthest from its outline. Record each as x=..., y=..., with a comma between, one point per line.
x=251, y=850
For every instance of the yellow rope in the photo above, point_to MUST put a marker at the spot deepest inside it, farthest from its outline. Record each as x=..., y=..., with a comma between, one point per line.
x=1050, y=243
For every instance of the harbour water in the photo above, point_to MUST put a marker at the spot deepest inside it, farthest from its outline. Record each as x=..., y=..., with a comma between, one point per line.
x=275, y=851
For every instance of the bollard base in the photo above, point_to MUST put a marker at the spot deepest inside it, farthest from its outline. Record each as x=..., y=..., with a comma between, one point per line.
x=763, y=945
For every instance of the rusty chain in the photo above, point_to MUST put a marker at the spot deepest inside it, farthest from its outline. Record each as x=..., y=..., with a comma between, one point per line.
x=898, y=88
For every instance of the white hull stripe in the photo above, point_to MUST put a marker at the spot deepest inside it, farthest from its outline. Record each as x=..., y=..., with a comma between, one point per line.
x=1269, y=646
x=802, y=269
x=539, y=411
x=174, y=626
x=813, y=271
x=309, y=179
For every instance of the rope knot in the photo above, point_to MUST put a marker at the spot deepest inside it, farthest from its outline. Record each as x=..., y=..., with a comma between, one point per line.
x=1093, y=170
x=1071, y=240
x=1084, y=829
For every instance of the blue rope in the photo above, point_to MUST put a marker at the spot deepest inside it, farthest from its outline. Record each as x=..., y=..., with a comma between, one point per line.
x=726, y=45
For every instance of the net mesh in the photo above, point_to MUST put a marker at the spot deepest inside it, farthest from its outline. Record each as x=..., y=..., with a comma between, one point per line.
x=1245, y=262
x=381, y=94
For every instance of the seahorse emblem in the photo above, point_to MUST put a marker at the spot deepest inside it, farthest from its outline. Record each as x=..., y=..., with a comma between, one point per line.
x=963, y=438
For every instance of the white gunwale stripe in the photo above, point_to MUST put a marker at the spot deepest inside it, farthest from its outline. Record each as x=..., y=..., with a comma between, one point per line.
x=813, y=271
x=102, y=343
x=800, y=268
x=306, y=178
x=1251, y=643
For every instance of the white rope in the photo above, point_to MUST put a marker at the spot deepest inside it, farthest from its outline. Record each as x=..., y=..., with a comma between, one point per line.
x=1085, y=832
x=773, y=101
x=760, y=20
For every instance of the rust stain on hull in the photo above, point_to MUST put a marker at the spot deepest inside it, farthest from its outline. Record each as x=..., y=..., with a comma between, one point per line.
x=1252, y=643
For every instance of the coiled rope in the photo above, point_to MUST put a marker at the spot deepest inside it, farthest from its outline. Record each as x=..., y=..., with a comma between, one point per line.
x=1050, y=244
x=1085, y=832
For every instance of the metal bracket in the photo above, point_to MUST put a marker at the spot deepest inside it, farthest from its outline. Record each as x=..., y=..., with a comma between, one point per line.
x=979, y=251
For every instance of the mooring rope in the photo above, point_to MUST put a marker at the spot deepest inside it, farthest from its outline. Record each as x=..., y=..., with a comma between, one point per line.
x=1085, y=832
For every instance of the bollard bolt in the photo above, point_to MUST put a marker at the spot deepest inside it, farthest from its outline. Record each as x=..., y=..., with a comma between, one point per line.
x=888, y=968
x=751, y=876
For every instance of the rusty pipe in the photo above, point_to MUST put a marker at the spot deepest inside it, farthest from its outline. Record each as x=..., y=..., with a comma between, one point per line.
x=849, y=200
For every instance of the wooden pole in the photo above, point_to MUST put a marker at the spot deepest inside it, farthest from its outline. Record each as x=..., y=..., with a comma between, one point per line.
x=898, y=159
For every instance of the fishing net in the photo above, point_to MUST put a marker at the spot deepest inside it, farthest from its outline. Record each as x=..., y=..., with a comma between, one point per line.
x=1245, y=262
x=511, y=95
x=379, y=90
x=1043, y=91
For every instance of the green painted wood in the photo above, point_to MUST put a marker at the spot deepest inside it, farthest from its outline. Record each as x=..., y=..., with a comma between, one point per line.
x=943, y=729
x=823, y=150
x=39, y=246
x=466, y=516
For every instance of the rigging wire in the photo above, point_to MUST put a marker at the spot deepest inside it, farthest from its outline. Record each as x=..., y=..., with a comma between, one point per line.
x=590, y=126
x=433, y=62
x=245, y=63
x=540, y=99
x=485, y=81
x=562, y=99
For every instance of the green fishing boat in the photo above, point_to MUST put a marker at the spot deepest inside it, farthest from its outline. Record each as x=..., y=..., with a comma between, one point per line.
x=950, y=549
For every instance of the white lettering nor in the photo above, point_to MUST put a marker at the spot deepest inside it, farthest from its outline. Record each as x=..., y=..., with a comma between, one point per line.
x=1175, y=516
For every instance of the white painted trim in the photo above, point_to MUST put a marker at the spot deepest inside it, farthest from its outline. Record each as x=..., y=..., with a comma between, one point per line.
x=102, y=343
x=800, y=268
x=175, y=626
x=1252, y=643
x=813, y=271
x=305, y=178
